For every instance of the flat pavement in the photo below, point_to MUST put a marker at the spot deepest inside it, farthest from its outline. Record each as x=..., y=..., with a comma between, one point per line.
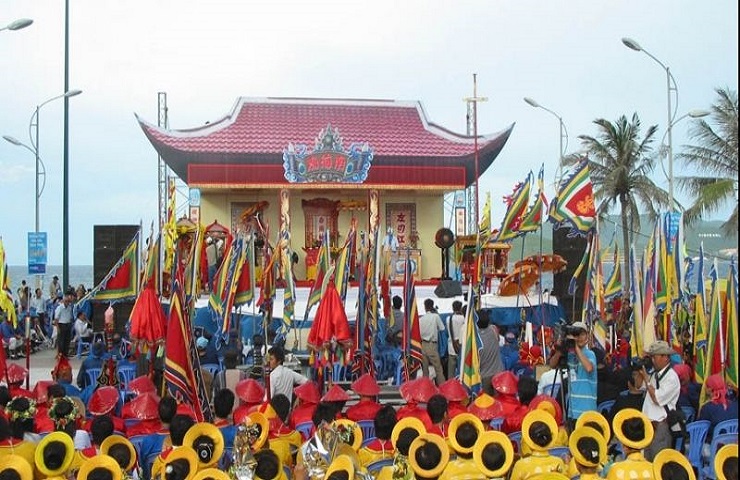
x=41, y=363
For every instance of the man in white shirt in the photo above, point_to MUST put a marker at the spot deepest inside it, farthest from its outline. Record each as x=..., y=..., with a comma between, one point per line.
x=663, y=389
x=282, y=379
x=429, y=327
x=455, y=326
x=83, y=330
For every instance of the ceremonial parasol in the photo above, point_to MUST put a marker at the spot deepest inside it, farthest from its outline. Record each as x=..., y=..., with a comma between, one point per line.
x=147, y=318
x=519, y=281
x=546, y=263
x=418, y=390
x=330, y=322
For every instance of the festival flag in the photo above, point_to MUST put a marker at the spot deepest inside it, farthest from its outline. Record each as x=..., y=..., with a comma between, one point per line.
x=731, y=366
x=516, y=205
x=485, y=221
x=661, y=265
x=572, y=285
x=700, y=321
x=613, y=286
x=244, y=294
x=122, y=281
x=267, y=282
x=470, y=347
x=532, y=220
x=192, y=278
x=715, y=337
x=6, y=295
x=289, y=289
x=363, y=358
x=648, y=296
x=221, y=298
x=169, y=229
x=575, y=201
x=636, y=338
x=151, y=270
x=411, y=353
x=182, y=374
x=593, y=295
x=344, y=263
x=323, y=263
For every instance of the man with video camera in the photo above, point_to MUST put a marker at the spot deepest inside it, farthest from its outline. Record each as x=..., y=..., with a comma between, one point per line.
x=580, y=362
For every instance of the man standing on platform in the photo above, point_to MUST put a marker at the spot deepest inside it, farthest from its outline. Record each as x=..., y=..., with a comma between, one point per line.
x=63, y=319
x=429, y=327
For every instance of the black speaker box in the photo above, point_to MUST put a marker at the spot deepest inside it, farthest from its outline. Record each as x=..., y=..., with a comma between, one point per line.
x=448, y=289
x=109, y=242
x=572, y=250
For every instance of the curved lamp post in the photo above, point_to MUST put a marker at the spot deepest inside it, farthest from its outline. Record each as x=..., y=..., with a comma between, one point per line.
x=563, y=135
x=33, y=135
x=18, y=24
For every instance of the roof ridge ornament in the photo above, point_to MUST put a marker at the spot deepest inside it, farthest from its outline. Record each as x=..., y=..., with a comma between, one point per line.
x=329, y=162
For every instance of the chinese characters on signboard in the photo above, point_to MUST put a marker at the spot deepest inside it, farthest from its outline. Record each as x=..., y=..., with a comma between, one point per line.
x=401, y=218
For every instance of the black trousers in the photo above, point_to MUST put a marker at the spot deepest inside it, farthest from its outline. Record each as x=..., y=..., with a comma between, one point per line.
x=64, y=337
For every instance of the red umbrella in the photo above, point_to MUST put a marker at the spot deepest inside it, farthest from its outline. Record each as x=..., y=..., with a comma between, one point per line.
x=147, y=318
x=330, y=321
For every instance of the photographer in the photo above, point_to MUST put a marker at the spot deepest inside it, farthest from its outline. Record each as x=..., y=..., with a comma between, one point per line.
x=663, y=388
x=581, y=365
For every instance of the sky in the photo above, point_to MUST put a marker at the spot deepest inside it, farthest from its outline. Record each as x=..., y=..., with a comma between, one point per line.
x=567, y=55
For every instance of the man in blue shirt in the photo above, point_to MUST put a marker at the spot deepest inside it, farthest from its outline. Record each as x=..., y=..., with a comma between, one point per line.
x=12, y=339
x=93, y=360
x=582, y=386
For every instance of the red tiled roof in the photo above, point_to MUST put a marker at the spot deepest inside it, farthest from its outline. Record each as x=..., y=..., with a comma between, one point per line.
x=264, y=127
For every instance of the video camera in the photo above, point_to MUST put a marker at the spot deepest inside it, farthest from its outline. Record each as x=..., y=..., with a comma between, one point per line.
x=563, y=330
x=638, y=364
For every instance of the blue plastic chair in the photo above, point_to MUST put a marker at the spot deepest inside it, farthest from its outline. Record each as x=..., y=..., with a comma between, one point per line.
x=726, y=426
x=560, y=452
x=81, y=346
x=368, y=429
x=305, y=429
x=516, y=439
x=92, y=375
x=718, y=442
x=125, y=374
x=497, y=423
x=376, y=466
x=605, y=407
x=697, y=431
x=689, y=413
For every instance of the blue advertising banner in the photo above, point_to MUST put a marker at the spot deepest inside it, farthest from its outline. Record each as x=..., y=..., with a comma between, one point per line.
x=37, y=253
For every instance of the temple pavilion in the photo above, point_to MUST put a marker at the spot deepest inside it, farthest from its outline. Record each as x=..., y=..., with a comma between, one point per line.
x=315, y=166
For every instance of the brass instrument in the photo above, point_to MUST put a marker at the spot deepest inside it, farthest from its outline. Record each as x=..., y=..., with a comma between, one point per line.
x=329, y=442
x=250, y=436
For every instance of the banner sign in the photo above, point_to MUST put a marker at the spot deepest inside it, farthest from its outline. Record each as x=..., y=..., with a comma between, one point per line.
x=328, y=162
x=37, y=253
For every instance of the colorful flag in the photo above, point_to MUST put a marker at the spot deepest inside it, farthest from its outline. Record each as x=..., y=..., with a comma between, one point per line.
x=6, y=295
x=577, y=273
x=289, y=290
x=411, y=353
x=593, y=295
x=245, y=287
x=182, y=373
x=169, y=229
x=575, y=201
x=613, y=286
x=485, y=221
x=122, y=281
x=221, y=300
x=323, y=264
x=715, y=360
x=636, y=338
x=731, y=364
x=344, y=263
x=471, y=346
x=532, y=220
x=267, y=282
x=363, y=358
x=151, y=270
x=516, y=206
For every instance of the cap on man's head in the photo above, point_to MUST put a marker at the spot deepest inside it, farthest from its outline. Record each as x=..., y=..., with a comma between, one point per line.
x=580, y=326
x=202, y=342
x=660, y=348
x=55, y=277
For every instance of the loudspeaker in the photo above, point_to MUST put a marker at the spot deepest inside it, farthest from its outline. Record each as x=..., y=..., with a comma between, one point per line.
x=572, y=250
x=448, y=289
x=109, y=242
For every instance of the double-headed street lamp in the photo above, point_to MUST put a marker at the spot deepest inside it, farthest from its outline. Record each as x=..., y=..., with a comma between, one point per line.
x=671, y=86
x=563, y=135
x=18, y=24
x=33, y=135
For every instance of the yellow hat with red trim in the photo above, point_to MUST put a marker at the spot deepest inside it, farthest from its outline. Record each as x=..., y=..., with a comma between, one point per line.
x=493, y=454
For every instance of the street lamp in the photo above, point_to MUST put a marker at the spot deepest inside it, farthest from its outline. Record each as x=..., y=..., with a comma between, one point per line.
x=697, y=113
x=33, y=135
x=17, y=25
x=670, y=86
x=563, y=135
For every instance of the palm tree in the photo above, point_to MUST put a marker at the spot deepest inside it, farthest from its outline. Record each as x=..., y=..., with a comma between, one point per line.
x=715, y=157
x=620, y=164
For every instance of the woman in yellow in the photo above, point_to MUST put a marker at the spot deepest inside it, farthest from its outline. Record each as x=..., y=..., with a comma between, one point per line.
x=428, y=456
x=100, y=466
x=493, y=454
x=20, y=412
x=669, y=464
x=588, y=449
x=54, y=456
x=208, y=443
x=381, y=447
x=548, y=404
x=538, y=433
x=634, y=430
x=596, y=421
x=463, y=432
x=725, y=463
